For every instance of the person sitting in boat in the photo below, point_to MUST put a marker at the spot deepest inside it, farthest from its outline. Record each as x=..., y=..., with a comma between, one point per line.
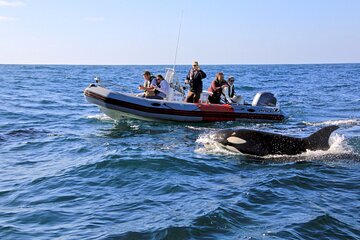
x=194, y=79
x=216, y=88
x=146, y=87
x=161, y=88
x=228, y=92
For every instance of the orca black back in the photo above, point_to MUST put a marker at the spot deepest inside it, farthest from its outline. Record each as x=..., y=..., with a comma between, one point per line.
x=264, y=143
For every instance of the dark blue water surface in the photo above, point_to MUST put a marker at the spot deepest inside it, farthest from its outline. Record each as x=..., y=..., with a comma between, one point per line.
x=69, y=172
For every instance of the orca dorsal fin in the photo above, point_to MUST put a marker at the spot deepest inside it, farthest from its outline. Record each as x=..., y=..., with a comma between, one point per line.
x=320, y=139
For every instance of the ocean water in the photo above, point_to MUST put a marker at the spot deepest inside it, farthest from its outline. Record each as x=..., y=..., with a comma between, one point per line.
x=69, y=172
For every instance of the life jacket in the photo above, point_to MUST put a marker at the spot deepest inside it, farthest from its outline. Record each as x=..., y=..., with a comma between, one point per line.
x=231, y=90
x=147, y=84
x=230, y=93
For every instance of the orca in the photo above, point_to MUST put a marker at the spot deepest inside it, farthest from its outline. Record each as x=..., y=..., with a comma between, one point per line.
x=265, y=143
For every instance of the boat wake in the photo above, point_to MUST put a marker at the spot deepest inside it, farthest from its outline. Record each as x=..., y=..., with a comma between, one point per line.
x=100, y=117
x=198, y=128
x=343, y=122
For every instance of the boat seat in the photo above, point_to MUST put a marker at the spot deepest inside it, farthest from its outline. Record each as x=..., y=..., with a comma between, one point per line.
x=204, y=96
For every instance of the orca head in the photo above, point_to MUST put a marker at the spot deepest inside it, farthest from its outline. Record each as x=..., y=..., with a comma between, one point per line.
x=241, y=140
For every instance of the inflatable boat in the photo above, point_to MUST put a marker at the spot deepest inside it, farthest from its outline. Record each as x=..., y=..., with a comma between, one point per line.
x=119, y=105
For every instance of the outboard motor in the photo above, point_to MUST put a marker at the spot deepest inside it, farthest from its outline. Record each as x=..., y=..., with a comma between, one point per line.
x=97, y=79
x=264, y=99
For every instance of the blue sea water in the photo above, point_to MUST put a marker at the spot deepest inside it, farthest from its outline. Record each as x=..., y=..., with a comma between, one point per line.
x=69, y=172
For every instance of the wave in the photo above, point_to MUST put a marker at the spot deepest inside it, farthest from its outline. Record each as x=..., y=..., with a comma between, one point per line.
x=220, y=222
x=166, y=233
x=225, y=224
x=346, y=122
x=26, y=132
x=318, y=228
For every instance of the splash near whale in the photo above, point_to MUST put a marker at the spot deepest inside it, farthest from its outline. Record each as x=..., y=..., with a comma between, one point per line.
x=261, y=143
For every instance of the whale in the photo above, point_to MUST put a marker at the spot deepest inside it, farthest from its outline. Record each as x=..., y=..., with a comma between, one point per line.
x=262, y=143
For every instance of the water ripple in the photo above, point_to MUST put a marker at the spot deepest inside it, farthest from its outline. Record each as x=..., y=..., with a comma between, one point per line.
x=68, y=171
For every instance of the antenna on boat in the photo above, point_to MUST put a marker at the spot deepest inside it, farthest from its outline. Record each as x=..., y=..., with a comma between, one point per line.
x=178, y=39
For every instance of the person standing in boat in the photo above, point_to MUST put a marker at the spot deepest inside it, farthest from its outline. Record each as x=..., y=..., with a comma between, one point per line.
x=228, y=92
x=161, y=88
x=146, y=87
x=216, y=88
x=194, y=79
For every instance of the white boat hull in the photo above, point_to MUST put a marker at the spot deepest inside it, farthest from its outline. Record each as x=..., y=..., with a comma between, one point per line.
x=118, y=106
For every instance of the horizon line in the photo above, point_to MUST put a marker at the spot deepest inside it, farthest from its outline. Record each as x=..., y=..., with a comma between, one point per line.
x=163, y=64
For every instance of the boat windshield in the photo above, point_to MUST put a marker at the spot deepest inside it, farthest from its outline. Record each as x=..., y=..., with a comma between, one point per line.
x=176, y=90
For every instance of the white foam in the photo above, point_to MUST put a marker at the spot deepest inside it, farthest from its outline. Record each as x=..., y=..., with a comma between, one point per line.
x=197, y=128
x=338, y=145
x=135, y=127
x=351, y=122
x=206, y=144
x=101, y=117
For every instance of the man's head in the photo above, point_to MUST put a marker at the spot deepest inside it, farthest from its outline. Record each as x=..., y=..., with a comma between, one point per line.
x=195, y=65
x=147, y=75
x=231, y=80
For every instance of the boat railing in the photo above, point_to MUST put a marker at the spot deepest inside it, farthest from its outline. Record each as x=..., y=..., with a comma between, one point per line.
x=114, y=86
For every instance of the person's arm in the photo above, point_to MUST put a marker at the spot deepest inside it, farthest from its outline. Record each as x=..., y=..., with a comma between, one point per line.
x=144, y=86
x=153, y=83
x=151, y=88
x=164, y=87
x=202, y=74
x=213, y=86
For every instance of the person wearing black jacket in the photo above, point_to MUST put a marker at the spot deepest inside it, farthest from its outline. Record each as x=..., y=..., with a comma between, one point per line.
x=194, y=79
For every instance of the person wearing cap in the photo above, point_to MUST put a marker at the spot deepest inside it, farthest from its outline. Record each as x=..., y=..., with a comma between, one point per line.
x=216, y=88
x=147, y=87
x=228, y=92
x=194, y=79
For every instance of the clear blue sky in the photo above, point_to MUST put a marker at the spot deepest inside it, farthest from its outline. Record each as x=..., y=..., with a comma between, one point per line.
x=213, y=31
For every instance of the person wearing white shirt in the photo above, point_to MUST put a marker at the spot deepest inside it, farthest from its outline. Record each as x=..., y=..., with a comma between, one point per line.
x=228, y=93
x=161, y=86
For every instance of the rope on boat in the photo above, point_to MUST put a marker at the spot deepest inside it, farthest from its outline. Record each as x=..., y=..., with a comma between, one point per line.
x=178, y=39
